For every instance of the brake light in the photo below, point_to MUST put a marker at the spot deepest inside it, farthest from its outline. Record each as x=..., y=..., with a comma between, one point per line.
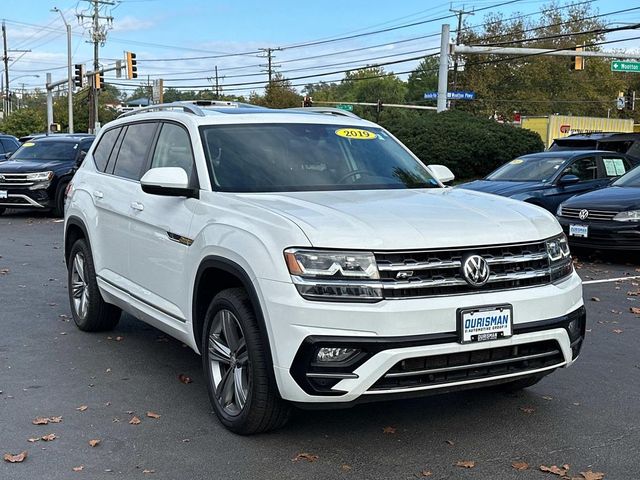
x=68, y=190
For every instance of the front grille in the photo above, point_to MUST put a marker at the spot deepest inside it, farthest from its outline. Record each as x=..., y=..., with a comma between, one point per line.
x=14, y=180
x=593, y=214
x=472, y=365
x=438, y=272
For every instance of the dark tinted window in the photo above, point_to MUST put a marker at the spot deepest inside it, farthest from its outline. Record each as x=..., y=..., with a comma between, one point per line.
x=104, y=148
x=133, y=151
x=9, y=145
x=173, y=149
x=631, y=179
x=528, y=169
x=585, y=169
x=1, y=148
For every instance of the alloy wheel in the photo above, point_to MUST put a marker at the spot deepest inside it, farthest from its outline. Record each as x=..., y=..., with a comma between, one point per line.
x=229, y=359
x=79, y=287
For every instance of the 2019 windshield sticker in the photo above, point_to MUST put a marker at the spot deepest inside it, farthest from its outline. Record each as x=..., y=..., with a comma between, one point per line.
x=356, y=134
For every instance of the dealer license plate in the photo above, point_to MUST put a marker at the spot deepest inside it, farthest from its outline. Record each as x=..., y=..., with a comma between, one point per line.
x=485, y=323
x=579, y=230
x=4, y=194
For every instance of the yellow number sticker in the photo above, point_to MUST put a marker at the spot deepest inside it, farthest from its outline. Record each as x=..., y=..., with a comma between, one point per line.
x=28, y=144
x=517, y=161
x=356, y=134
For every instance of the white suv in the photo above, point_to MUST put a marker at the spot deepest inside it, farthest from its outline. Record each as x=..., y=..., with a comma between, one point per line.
x=313, y=260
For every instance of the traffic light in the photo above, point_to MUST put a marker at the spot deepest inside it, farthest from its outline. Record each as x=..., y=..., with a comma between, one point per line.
x=630, y=100
x=379, y=106
x=132, y=65
x=578, y=62
x=78, y=77
x=98, y=80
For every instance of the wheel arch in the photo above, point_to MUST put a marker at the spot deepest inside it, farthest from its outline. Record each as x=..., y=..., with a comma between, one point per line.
x=75, y=230
x=214, y=275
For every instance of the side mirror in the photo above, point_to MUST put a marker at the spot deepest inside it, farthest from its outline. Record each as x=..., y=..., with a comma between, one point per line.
x=5, y=156
x=442, y=173
x=568, y=179
x=167, y=181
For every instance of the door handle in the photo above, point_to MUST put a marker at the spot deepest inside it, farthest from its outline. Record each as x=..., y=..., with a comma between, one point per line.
x=137, y=206
x=98, y=194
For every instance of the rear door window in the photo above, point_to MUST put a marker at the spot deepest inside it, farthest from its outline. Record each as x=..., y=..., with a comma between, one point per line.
x=132, y=156
x=103, y=150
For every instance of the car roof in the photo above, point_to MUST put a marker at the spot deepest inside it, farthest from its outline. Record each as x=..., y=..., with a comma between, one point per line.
x=568, y=153
x=71, y=138
x=609, y=136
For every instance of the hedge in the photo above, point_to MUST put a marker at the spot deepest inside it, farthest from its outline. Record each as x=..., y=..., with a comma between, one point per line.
x=470, y=146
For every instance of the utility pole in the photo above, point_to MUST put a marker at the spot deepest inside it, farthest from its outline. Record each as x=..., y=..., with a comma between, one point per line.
x=459, y=13
x=5, y=59
x=70, y=70
x=217, y=84
x=98, y=34
x=269, y=66
x=443, y=71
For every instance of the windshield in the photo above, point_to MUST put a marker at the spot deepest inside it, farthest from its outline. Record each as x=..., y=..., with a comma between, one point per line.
x=297, y=157
x=49, y=150
x=531, y=169
x=629, y=179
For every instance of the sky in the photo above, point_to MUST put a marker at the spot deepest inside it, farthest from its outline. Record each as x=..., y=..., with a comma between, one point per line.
x=170, y=38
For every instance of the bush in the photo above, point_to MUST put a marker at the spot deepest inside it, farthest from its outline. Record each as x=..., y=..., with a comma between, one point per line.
x=470, y=146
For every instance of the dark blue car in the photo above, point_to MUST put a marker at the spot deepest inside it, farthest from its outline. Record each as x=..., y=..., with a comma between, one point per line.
x=608, y=218
x=547, y=179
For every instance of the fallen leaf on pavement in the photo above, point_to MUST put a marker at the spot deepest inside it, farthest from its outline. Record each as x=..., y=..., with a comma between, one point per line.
x=390, y=430
x=617, y=330
x=40, y=421
x=520, y=465
x=49, y=438
x=94, y=443
x=547, y=397
x=79, y=468
x=345, y=467
x=119, y=339
x=82, y=408
x=146, y=470
x=309, y=457
x=55, y=419
x=465, y=463
x=153, y=415
x=135, y=421
x=589, y=475
x=595, y=299
x=449, y=442
x=4, y=271
x=426, y=473
x=527, y=410
x=553, y=469
x=635, y=310
x=33, y=440
x=11, y=458
x=184, y=378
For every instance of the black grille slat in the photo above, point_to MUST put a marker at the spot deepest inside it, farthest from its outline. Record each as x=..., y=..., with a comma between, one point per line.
x=491, y=362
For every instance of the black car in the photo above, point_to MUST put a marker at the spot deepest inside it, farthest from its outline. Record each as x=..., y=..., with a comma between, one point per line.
x=547, y=179
x=628, y=143
x=608, y=218
x=38, y=173
x=8, y=145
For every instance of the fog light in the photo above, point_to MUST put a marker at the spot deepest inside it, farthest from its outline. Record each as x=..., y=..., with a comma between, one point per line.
x=328, y=354
x=574, y=329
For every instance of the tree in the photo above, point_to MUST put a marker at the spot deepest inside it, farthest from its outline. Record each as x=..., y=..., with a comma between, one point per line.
x=423, y=79
x=278, y=94
x=24, y=121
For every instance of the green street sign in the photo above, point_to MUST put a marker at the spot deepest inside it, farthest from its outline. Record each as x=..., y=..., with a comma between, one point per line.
x=348, y=108
x=617, y=66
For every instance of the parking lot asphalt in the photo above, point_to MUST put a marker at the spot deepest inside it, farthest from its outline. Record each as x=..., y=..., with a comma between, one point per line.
x=586, y=416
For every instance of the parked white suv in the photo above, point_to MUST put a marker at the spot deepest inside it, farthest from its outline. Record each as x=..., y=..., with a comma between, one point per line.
x=313, y=260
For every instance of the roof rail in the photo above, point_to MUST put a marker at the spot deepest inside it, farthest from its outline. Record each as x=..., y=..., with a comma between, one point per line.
x=326, y=111
x=185, y=107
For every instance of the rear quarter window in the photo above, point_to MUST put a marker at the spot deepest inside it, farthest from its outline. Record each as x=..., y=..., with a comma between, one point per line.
x=103, y=149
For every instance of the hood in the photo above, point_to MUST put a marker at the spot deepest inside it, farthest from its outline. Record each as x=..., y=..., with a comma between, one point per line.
x=504, y=188
x=609, y=198
x=28, y=166
x=408, y=219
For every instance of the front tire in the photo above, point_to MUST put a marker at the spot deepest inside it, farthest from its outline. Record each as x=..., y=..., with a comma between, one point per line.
x=90, y=312
x=242, y=390
x=58, y=207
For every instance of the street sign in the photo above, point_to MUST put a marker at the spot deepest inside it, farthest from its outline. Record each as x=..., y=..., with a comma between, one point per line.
x=620, y=102
x=348, y=108
x=633, y=67
x=457, y=95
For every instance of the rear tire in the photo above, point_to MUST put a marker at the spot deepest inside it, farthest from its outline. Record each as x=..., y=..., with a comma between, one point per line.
x=90, y=312
x=242, y=389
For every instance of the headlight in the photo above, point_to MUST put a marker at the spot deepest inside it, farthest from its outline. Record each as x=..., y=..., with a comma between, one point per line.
x=334, y=275
x=630, y=216
x=39, y=176
x=559, y=211
x=560, y=262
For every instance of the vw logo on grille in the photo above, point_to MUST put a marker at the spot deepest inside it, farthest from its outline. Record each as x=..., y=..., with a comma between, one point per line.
x=583, y=214
x=475, y=270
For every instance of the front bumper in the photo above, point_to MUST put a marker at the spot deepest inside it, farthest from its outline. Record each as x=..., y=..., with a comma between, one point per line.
x=604, y=235
x=417, y=332
x=24, y=198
